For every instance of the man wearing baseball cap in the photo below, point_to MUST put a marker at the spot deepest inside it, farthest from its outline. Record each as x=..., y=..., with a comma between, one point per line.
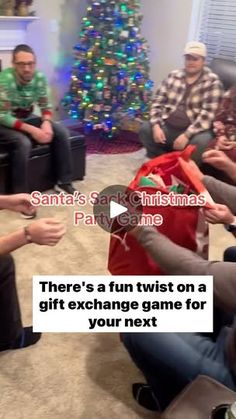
x=184, y=107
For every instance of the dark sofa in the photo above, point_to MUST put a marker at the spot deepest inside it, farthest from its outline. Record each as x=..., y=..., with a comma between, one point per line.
x=226, y=70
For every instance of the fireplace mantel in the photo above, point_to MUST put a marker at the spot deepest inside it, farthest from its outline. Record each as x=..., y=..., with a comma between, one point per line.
x=13, y=31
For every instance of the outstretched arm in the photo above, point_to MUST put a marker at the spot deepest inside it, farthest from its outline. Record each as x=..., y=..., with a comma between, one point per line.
x=176, y=260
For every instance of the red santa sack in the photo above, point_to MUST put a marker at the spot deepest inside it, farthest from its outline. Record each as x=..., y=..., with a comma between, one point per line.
x=184, y=225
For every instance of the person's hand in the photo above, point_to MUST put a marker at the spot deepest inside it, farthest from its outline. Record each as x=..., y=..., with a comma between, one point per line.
x=218, y=125
x=38, y=135
x=224, y=144
x=217, y=159
x=180, y=142
x=135, y=231
x=158, y=135
x=46, y=127
x=219, y=214
x=46, y=231
x=20, y=203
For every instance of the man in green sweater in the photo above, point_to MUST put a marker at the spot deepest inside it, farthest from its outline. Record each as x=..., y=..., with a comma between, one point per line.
x=22, y=87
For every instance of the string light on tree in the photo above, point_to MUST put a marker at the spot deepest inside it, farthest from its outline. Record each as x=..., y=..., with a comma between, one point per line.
x=110, y=75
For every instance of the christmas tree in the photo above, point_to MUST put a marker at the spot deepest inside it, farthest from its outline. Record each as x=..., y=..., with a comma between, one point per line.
x=110, y=75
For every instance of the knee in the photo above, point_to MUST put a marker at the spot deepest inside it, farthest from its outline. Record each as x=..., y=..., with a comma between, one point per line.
x=126, y=338
x=60, y=131
x=23, y=144
x=202, y=139
x=7, y=264
x=145, y=132
x=131, y=342
x=230, y=254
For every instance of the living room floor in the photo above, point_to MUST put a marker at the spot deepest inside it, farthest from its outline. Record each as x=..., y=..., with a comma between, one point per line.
x=76, y=376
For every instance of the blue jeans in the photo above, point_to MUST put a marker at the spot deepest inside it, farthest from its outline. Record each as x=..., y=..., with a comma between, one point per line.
x=169, y=361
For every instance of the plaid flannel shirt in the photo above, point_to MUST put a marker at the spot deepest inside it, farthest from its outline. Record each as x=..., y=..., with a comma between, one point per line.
x=201, y=104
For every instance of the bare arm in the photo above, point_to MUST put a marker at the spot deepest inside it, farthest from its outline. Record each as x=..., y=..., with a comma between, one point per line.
x=221, y=192
x=12, y=241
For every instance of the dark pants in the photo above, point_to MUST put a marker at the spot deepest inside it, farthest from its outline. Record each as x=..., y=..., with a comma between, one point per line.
x=170, y=361
x=230, y=254
x=201, y=141
x=10, y=316
x=19, y=146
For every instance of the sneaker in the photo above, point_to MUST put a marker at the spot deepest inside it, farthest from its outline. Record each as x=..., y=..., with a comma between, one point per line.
x=66, y=187
x=143, y=394
x=25, y=339
x=28, y=216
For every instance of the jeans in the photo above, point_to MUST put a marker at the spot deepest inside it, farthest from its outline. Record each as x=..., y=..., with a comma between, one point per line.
x=10, y=316
x=169, y=361
x=201, y=140
x=19, y=146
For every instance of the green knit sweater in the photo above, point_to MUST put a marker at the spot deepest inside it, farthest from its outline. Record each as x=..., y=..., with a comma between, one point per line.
x=17, y=100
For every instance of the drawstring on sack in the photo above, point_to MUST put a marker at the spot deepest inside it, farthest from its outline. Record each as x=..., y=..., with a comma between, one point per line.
x=122, y=240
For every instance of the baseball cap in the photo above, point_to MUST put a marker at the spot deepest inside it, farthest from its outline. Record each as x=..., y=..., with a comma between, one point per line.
x=195, y=48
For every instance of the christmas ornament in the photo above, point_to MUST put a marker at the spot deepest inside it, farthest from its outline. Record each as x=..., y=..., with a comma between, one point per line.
x=110, y=85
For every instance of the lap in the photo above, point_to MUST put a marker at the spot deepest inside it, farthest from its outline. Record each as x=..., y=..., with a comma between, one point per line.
x=185, y=353
x=12, y=137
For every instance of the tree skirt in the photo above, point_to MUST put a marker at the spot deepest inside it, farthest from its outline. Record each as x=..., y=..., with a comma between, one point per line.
x=123, y=142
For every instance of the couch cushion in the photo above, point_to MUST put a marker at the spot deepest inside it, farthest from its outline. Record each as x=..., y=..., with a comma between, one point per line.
x=226, y=71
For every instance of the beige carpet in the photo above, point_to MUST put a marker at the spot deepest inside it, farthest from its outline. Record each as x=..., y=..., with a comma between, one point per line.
x=73, y=376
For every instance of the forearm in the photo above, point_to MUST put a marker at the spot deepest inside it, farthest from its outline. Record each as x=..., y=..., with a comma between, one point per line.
x=158, y=104
x=176, y=260
x=172, y=258
x=210, y=105
x=4, y=201
x=9, y=121
x=156, y=114
x=26, y=128
x=221, y=192
x=202, y=123
x=230, y=170
x=12, y=241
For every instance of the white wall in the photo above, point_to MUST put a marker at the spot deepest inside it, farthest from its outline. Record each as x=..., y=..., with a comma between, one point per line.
x=53, y=38
x=165, y=25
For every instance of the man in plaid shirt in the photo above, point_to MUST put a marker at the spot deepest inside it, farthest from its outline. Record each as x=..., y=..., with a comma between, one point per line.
x=184, y=107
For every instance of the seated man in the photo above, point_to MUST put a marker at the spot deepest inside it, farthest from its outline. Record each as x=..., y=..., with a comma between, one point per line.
x=21, y=87
x=184, y=107
x=44, y=232
x=169, y=361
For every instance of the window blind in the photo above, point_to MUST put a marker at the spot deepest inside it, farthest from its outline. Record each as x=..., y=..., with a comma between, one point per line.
x=218, y=28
